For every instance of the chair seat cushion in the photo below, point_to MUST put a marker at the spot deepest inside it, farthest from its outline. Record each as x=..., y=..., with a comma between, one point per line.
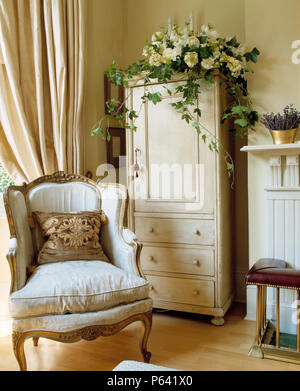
x=75, y=287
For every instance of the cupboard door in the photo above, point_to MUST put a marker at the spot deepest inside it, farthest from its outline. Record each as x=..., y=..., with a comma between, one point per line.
x=176, y=169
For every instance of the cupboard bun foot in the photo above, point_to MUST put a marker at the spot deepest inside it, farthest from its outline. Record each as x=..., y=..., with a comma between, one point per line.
x=217, y=321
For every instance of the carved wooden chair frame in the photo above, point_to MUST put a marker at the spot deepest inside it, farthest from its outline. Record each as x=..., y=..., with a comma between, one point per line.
x=88, y=333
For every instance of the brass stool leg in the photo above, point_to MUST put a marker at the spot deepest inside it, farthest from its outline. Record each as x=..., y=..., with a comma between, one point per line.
x=265, y=313
x=258, y=313
x=277, y=318
x=298, y=320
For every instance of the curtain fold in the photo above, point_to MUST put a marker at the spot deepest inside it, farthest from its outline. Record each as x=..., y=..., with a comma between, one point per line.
x=42, y=86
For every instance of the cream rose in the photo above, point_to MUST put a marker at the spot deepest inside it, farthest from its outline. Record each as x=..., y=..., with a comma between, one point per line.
x=191, y=59
x=168, y=55
x=193, y=41
x=158, y=36
x=147, y=51
x=155, y=59
x=207, y=63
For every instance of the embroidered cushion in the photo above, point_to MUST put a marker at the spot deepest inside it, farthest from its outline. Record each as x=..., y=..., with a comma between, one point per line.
x=70, y=236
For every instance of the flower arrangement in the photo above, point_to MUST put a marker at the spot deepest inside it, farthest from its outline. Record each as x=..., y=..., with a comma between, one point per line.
x=289, y=119
x=196, y=56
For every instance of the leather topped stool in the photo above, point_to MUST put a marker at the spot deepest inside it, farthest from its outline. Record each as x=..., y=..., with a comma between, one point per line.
x=273, y=273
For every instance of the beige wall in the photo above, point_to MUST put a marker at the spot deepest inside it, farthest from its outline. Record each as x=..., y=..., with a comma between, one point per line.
x=271, y=25
x=105, y=25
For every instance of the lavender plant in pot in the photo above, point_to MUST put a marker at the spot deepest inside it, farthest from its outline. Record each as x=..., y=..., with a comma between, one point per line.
x=282, y=126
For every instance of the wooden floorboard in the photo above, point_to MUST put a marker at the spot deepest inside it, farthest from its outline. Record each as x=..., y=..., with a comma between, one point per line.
x=178, y=340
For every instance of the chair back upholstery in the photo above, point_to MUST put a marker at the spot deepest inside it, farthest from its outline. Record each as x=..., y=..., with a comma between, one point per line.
x=59, y=192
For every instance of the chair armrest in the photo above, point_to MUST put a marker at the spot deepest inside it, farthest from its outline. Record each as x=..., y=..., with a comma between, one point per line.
x=119, y=243
x=18, y=263
x=129, y=236
x=12, y=260
x=124, y=251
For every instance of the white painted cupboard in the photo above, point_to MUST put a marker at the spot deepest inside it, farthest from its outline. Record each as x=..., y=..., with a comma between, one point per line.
x=181, y=203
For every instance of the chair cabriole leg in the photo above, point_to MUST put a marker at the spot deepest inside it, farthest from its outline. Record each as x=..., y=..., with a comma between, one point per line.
x=18, y=340
x=146, y=324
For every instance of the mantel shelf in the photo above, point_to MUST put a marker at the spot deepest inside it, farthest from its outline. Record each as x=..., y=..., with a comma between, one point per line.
x=280, y=149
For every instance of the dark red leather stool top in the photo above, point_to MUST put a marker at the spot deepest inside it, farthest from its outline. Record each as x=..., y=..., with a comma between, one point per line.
x=273, y=272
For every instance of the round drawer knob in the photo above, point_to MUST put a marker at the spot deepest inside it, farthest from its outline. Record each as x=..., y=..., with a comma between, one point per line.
x=151, y=287
x=151, y=229
x=196, y=292
x=196, y=232
x=196, y=262
x=150, y=258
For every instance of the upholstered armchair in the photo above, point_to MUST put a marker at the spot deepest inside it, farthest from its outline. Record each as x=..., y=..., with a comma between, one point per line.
x=75, y=299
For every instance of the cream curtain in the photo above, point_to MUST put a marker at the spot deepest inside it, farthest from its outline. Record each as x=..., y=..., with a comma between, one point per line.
x=42, y=84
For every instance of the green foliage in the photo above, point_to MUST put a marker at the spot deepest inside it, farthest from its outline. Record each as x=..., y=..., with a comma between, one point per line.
x=213, y=53
x=5, y=180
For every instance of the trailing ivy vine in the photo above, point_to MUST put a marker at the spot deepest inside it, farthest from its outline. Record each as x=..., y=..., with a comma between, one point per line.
x=197, y=57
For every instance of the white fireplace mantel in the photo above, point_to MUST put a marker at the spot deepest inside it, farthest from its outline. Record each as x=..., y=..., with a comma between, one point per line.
x=273, y=148
x=281, y=217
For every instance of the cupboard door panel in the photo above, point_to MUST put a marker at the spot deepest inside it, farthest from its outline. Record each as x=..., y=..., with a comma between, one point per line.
x=177, y=170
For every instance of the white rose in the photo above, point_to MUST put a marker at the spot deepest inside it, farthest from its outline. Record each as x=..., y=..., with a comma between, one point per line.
x=233, y=65
x=155, y=59
x=147, y=51
x=204, y=29
x=216, y=53
x=177, y=50
x=158, y=36
x=168, y=55
x=173, y=36
x=191, y=59
x=240, y=51
x=193, y=41
x=207, y=63
x=209, y=32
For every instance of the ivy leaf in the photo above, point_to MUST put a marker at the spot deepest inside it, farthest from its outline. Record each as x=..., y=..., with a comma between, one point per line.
x=131, y=127
x=98, y=131
x=208, y=77
x=252, y=56
x=197, y=111
x=233, y=42
x=202, y=39
x=196, y=125
x=242, y=122
x=204, y=52
x=132, y=114
x=154, y=98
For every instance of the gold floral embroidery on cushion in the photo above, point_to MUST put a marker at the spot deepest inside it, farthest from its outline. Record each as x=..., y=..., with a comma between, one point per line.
x=71, y=235
x=74, y=232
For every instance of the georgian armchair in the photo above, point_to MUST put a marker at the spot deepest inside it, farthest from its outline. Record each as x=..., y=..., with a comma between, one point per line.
x=68, y=301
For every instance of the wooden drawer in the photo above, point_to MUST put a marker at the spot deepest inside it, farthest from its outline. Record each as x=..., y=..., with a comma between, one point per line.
x=182, y=290
x=190, y=231
x=178, y=260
